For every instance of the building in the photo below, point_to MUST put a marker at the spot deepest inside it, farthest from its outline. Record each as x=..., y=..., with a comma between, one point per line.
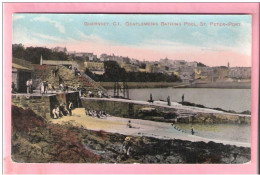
x=68, y=64
x=21, y=72
x=222, y=73
x=95, y=67
x=208, y=74
x=186, y=74
x=179, y=63
x=129, y=67
x=85, y=56
x=240, y=72
x=166, y=61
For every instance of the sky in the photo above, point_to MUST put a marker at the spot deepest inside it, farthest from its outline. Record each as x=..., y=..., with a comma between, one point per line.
x=208, y=41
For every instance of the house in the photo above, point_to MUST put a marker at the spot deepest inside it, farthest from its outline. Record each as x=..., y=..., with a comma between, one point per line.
x=21, y=72
x=95, y=67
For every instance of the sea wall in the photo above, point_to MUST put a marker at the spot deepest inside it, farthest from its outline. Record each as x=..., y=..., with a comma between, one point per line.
x=116, y=108
x=43, y=105
x=131, y=109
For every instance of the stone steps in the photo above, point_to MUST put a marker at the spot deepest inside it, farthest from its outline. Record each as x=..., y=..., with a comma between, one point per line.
x=67, y=76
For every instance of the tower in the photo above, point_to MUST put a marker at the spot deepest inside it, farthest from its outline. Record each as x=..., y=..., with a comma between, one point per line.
x=228, y=65
x=41, y=60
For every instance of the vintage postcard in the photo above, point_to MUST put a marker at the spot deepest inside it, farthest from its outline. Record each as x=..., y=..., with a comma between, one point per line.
x=131, y=88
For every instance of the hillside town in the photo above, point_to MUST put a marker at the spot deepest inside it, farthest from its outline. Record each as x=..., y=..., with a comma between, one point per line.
x=186, y=71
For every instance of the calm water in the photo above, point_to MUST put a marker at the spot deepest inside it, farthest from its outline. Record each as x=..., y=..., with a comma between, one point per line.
x=229, y=99
x=228, y=132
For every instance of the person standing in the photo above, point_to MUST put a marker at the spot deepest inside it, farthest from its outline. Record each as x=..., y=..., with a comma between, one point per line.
x=126, y=146
x=192, y=131
x=80, y=91
x=75, y=71
x=70, y=108
x=13, y=87
x=90, y=93
x=61, y=87
x=169, y=101
x=182, y=98
x=100, y=94
x=45, y=84
x=42, y=88
x=151, y=98
x=28, y=86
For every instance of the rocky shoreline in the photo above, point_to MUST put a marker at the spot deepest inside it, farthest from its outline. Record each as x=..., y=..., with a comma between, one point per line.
x=160, y=112
x=35, y=140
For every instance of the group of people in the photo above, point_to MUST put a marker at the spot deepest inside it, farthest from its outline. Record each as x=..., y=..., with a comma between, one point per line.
x=62, y=110
x=29, y=86
x=98, y=114
x=100, y=94
x=44, y=86
x=90, y=94
x=64, y=88
x=168, y=99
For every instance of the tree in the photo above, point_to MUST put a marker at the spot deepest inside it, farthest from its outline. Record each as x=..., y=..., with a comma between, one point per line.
x=33, y=54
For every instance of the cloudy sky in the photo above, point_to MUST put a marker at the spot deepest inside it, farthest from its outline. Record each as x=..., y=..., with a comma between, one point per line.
x=211, y=44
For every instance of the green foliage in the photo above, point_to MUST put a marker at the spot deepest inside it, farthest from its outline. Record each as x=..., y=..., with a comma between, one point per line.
x=113, y=72
x=33, y=54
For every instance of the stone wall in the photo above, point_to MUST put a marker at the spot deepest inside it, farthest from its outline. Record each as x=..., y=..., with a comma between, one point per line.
x=39, y=104
x=122, y=109
x=43, y=105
